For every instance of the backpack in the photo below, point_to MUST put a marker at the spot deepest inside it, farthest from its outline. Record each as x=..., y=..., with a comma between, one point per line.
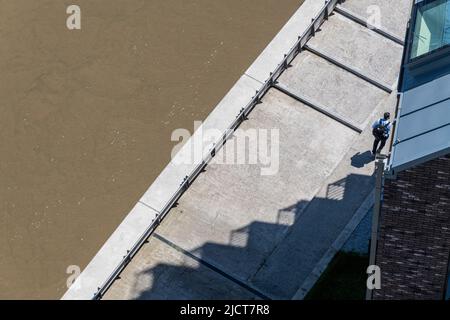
x=380, y=130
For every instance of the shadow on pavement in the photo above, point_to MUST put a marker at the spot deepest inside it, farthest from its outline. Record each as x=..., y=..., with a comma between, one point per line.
x=261, y=259
x=359, y=160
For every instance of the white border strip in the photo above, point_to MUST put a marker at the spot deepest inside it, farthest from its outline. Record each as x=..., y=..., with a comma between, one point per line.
x=163, y=193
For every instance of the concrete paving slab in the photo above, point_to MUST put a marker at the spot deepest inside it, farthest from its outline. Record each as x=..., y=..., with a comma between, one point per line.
x=393, y=17
x=315, y=230
x=272, y=255
x=340, y=91
x=326, y=216
x=160, y=272
x=360, y=48
x=231, y=214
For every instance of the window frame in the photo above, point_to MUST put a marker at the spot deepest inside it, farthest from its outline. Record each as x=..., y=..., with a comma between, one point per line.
x=431, y=55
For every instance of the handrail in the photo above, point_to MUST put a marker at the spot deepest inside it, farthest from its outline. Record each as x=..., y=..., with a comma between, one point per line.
x=244, y=112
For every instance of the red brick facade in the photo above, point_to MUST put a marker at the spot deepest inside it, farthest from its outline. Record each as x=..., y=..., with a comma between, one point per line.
x=414, y=233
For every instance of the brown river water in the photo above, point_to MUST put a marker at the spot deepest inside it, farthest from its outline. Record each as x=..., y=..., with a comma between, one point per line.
x=86, y=115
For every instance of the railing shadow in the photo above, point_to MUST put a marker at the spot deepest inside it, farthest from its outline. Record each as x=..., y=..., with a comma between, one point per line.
x=262, y=260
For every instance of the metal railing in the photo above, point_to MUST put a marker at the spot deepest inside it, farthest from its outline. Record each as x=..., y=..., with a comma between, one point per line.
x=242, y=116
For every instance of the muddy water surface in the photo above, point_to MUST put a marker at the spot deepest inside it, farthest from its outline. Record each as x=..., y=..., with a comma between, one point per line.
x=86, y=115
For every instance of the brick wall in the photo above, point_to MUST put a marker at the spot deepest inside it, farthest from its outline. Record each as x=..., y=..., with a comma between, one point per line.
x=414, y=233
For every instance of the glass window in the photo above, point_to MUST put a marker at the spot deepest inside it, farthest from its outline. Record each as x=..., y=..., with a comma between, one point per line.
x=431, y=28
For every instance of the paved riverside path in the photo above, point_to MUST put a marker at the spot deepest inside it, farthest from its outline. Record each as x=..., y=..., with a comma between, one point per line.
x=237, y=234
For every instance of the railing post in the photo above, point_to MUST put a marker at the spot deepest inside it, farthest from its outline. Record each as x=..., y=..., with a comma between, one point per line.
x=285, y=64
x=299, y=45
x=313, y=28
x=98, y=295
x=185, y=183
x=271, y=80
x=242, y=115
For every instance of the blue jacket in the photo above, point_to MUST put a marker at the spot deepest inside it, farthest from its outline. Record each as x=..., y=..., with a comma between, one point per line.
x=387, y=125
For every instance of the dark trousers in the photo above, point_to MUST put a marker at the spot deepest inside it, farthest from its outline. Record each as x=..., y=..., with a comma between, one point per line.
x=376, y=142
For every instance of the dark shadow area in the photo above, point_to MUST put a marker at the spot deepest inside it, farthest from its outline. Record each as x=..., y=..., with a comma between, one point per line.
x=359, y=160
x=344, y=279
x=261, y=260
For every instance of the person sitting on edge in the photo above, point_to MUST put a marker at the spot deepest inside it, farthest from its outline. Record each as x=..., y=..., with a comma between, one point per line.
x=381, y=130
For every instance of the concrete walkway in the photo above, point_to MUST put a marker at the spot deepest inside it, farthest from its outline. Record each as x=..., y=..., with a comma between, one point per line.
x=236, y=234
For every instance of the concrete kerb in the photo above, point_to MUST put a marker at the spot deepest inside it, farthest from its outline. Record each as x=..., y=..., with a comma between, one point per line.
x=123, y=244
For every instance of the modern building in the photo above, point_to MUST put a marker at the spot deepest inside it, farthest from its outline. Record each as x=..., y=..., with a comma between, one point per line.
x=411, y=231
